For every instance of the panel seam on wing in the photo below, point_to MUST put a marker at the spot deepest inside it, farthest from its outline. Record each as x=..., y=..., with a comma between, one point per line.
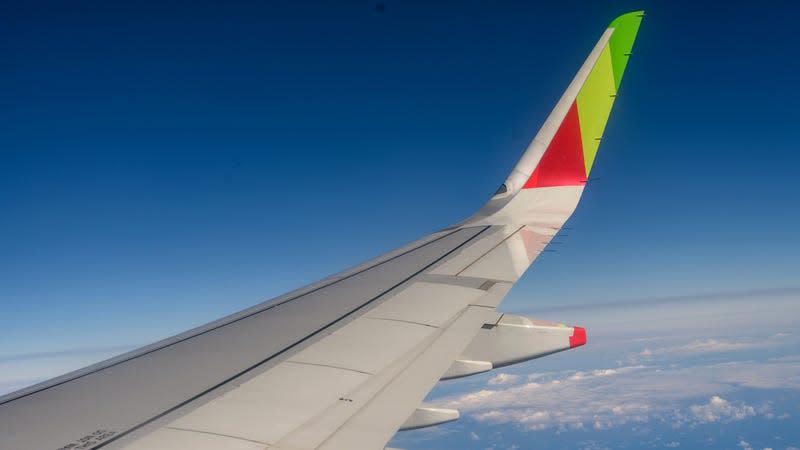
x=189, y=430
x=306, y=363
x=490, y=250
x=390, y=319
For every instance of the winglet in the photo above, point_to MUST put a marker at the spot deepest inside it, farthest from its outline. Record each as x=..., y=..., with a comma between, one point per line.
x=570, y=154
x=563, y=151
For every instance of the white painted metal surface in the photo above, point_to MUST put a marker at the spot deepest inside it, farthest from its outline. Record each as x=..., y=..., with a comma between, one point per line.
x=514, y=339
x=267, y=407
x=473, y=251
x=430, y=304
x=428, y=416
x=465, y=367
x=509, y=259
x=374, y=424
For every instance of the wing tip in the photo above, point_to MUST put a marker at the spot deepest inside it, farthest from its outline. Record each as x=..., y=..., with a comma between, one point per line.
x=629, y=18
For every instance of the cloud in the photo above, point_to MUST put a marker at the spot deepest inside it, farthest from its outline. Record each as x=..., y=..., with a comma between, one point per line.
x=601, y=373
x=744, y=445
x=503, y=378
x=603, y=399
x=712, y=345
x=719, y=296
x=512, y=404
x=759, y=375
x=716, y=410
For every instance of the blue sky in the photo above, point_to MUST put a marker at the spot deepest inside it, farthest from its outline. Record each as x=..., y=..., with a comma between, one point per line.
x=163, y=164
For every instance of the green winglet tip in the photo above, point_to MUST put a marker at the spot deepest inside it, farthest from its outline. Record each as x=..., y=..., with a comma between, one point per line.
x=625, y=28
x=633, y=16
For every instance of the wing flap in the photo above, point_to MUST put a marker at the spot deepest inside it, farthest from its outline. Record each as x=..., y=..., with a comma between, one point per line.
x=269, y=406
x=414, y=304
x=374, y=424
x=365, y=345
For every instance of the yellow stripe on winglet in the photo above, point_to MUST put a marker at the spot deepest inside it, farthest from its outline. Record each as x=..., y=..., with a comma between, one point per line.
x=594, y=105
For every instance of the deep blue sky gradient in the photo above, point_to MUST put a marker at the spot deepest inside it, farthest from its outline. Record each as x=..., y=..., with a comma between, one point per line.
x=165, y=163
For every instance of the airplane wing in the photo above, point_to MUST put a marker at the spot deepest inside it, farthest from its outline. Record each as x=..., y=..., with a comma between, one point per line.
x=346, y=362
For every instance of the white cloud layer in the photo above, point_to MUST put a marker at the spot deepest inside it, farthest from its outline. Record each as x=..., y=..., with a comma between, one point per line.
x=716, y=410
x=606, y=398
x=661, y=370
x=712, y=345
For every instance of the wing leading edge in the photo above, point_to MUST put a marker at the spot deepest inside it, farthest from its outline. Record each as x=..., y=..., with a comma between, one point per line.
x=346, y=362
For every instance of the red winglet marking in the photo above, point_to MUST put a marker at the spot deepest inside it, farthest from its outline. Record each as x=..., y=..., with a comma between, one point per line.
x=578, y=337
x=562, y=163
